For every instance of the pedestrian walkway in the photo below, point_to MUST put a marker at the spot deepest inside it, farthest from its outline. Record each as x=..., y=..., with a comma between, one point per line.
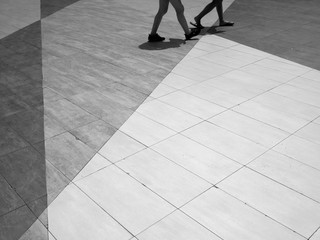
x=106, y=136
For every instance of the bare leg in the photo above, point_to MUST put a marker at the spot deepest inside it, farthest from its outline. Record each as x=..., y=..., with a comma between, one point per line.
x=205, y=11
x=163, y=8
x=179, y=8
x=222, y=22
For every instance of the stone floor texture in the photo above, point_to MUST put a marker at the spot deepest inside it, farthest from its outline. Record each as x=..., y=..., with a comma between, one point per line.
x=107, y=136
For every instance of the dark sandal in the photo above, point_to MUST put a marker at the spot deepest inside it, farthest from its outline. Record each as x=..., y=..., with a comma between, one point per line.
x=226, y=24
x=194, y=32
x=155, y=38
x=197, y=25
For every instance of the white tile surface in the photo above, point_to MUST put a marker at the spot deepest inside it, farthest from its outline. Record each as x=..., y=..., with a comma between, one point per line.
x=219, y=41
x=191, y=104
x=305, y=83
x=214, y=95
x=172, y=182
x=198, y=159
x=273, y=74
x=177, y=226
x=208, y=47
x=195, y=52
x=279, y=119
x=224, y=60
x=310, y=132
x=316, y=236
x=302, y=150
x=240, y=86
x=306, y=96
x=252, y=129
x=128, y=201
x=249, y=50
x=250, y=80
x=231, y=219
x=176, y=81
x=280, y=203
x=168, y=116
x=95, y=164
x=313, y=75
x=283, y=66
x=225, y=142
x=145, y=130
x=72, y=215
x=287, y=105
x=289, y=172
x=120, y=146
x=161, y=90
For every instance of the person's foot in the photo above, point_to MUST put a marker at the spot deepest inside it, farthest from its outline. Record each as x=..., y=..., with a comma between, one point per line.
x=226, y=24
x=193, y=32
x=197, y=23
x=155, y=38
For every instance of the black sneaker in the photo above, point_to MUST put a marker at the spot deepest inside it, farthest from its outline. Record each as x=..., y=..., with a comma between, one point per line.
x=194, y=32
x=155, y=38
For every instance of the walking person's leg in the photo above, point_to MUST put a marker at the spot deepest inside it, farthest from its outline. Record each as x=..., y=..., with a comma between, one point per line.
x=163, y=8
x=179, y=8
x=220, y=15
x=209, y=8
x=204, y=12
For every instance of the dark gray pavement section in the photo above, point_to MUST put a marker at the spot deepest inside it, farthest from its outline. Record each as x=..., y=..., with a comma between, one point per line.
x=288, y=28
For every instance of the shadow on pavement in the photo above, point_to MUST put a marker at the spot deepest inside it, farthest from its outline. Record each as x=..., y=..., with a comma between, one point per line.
x=173, y=43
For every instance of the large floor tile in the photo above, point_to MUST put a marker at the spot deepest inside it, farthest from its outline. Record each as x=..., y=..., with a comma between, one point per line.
x=290, y=173
x=298, y=212
x=96, y=163
x=198, y=159
x=214, y=95
x=168, y=116
x=216, y=40
x=300, y=149
x=25, y=171
x=16, y=223
x=10, y=141
x=67, y=154
x=247, y=49
x=129, y=202
x=102, y=107
x=313, y=75
x=279, y=119
x=120, y=146
x=305, y=83
x=177, y=226
x=9, y=199
x=73, y=215
x=169, y=180
x=231, y=219
x=287, y=105
x=310, y=132
x=162, y=90
x=68, y=114
x=252, y=129
x=306, y=96
x=241, y=87
x=225, y=142
x=274, y=75
x=316, y=236
x=284, y=67
x=177, y=81
x=144, y=130
x=191, y=104
x=209, y=47
x=94, y=134
x=37, y=231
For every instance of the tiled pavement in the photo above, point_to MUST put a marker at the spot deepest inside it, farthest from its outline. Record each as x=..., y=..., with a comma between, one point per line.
x=105, y=136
